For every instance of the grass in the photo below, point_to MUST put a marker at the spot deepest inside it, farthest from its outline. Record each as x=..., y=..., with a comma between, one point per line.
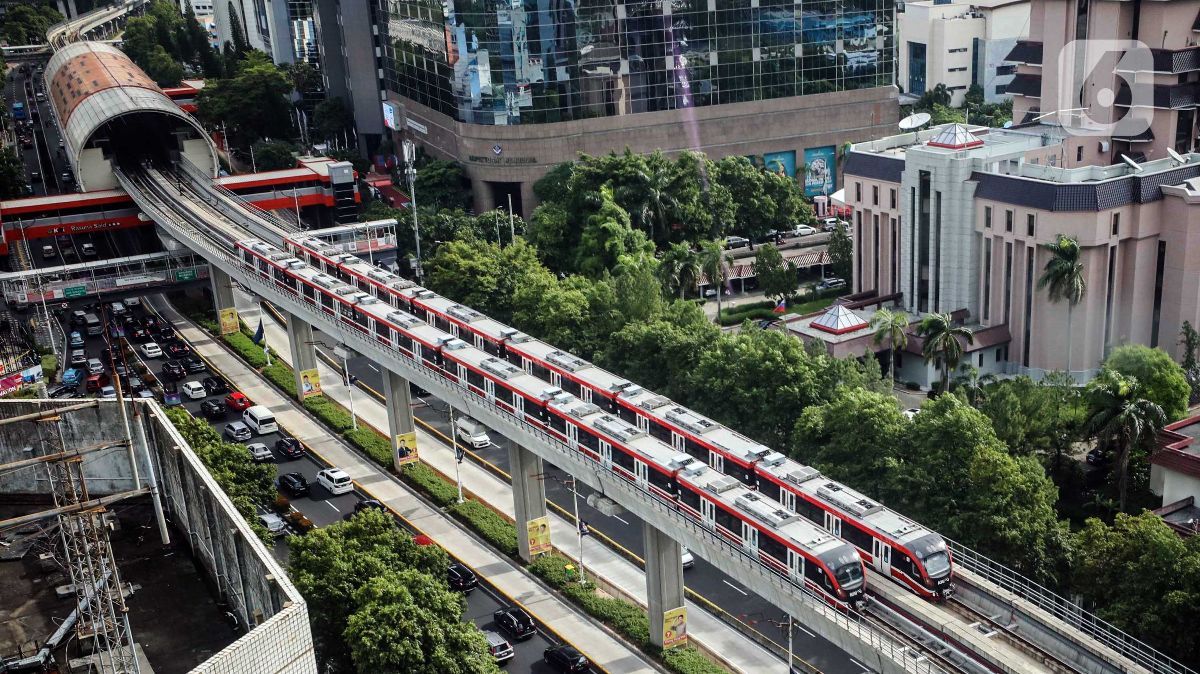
x=488, y=523
x=49, y=366
x=766, y=309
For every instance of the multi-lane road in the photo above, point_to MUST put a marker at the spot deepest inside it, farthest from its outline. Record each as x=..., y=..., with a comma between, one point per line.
x=46, y=160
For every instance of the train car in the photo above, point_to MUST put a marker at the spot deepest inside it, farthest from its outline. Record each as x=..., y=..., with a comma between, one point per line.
x=892, y=544
x=499, y=382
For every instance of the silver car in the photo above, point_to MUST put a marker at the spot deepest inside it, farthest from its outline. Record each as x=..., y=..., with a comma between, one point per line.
x=274, y=523
x=237, y=431
x=499, y=647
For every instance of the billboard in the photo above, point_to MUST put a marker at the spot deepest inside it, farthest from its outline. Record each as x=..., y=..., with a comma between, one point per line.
x=675, y=627
x=405, y=448
x=538, y=531
x=783, y=163
x=820, y=171
x=389, y=116
x=229, y=321
x=310, y=383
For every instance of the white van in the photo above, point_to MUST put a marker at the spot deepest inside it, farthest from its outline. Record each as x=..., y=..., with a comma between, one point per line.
x=260, y=420
x=472, y=433
x=335, y=480
x=116, y=309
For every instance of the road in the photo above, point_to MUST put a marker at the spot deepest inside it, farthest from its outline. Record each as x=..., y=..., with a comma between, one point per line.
x=45, y=157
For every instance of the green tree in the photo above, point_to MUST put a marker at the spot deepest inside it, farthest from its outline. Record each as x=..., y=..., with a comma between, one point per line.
x=304, y=76
x=606, y=237
x=1033, y=418
x=255, y=80
x=163, y=68
x=1063, y=277
x=891, y=327
x=12, y=174
x=272, y=155
x=482, y=275
x=679, y=269
x=715, y=263
x=941, y=343
x=27, y=23
x=653, y=201
x=841, y=253
x=755, y=210
x=443, y=184
x=776, y=276
x=551, y=233
x=1120, y=417
x=332, y=118
x=852, y=438
x=1160, y=379
x=1189, y=339
x=661, y=354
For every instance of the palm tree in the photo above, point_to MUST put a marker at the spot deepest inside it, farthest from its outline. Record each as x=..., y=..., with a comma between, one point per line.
x=941, y=342
x=651, y=198
x=1120, y=417
x=679, y=268
x=1063, y=277
x=889, y=326
x=972, y=384
x=715, y=263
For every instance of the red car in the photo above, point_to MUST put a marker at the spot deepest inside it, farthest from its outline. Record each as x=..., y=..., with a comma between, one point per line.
x=237, y=401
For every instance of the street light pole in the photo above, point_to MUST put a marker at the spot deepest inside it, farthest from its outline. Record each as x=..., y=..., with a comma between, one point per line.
x=458, y=454
x=410, y=171
x=578, y=531
x=790, y=656
x=350, y=390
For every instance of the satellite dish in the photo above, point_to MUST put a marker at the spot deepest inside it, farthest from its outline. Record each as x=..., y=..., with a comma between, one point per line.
x=1176, y=156
x=914, y=121
x=1131, y=163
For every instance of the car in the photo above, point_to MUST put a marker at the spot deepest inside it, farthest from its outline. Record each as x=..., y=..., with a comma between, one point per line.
x=237, y=431
x=194, y=390
x=60, y=391
x=94, y=366
x=120, y=370
x=144, y=394
x=143, y=336
x=48, y=253
x=565, y=658
x=335, y=480
x=212, y=409
x=134, y=302
x=274, y=524
x=499, y=647
x=732, y=242
x=75, y=340
x=36, y=177
x=912, y=412
x=803, y=230
x=108, y=392
x=151, y=349
x=515, y=622
x=78, y=318
x=289, y=447
x=177, y=349
x=78, y=358
x=293, y=484
x=214, y=385
x=831, y=282
x=166, y=333
x=461, y=578
x=686, y=558
x=88, y=250
x=134, y=384
x=194, y=364
x=72, y=377
x=259, y=452
x=172, y=370
x=237, y=401
x=1098, y=457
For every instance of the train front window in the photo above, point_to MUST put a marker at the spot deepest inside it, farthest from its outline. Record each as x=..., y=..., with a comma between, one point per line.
x=931, y=550
x=849, y=575
x=937, y=564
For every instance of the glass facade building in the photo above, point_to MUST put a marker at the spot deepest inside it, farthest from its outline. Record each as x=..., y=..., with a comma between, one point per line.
x=500, y=62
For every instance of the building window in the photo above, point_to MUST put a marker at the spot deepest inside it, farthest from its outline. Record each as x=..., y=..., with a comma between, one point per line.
x=1030, y=225
x=1008, y=264
x=1183, y=130
x=957, y=70
x=874, y=195
x=987, y=217
x=987, y=278
x=998, y=351
x=893, y=199
x=1001, y=89
x=1116, y=224
x=916, y=68
x=1008, y=221
x=895, y=257
x=980, y=359
x=858, y=192
x=1010, y=69
x=1079, y=153
x=876, y=246
x=1158, y=290
x=1030, y=264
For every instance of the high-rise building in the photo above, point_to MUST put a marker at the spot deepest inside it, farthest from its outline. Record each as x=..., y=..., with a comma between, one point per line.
x=511, y=89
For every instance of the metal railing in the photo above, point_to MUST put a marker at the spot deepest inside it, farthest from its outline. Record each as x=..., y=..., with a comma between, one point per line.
x=143, y=273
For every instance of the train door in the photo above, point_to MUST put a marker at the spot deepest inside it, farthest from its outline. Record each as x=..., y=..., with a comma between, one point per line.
x=585, y=394
x=460, y=371
x=716, y=461
x=573, y=436
x=795, y=564
x=709, y=512
x=832, y=524
x=606, y=454
x=883, y=556
x=642, y=472
x=678, y=442
x=528, y=366
x=519, y=406
x=750, y=538
x=788, y=499
x=453, y=328
x=643, y=423
x=489, y=389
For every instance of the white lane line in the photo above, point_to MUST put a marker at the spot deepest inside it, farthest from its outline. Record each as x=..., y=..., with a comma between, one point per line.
x=744, y=593
x=621, y=520
x=331, y=505
x=804, y=629
x=372, y=367
x=856, y=662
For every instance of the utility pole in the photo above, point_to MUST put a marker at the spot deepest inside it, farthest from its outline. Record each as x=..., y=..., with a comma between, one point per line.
x=512, y=227
x=410, y=170
x=458, y=454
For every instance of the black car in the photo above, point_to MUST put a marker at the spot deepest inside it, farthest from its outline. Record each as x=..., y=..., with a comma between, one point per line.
x=564, y=658
x=119, y=369
x=215, y=385
x=289, y=447
x=194, y=364
x=212, y=409
x=365, y=504
x=516, y=622
x=150, y=322
x=173, y=370
x=135, y=384
x=293, y=484
x=1098, y=457
x=166, y=333
x=461, y=578
x=61, y=391
x=140, y=336
x=177, y=349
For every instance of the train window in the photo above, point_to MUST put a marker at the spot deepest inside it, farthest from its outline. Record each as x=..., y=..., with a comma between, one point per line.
x=441, y=323
x=773, y=548
x=901, y=561
x=627, y=415
x=474, y=378
x=429, y=353
x=810, y=511
x=361, y=318
x=557, y=423
x=622, y=459
x=855, y=536
x=513, y=357
x=588, y=440
x=404, y=341
x=382, y=329
x=659, y=480
x=539, y=371
x=660, y=431
x=769, y=489
x=571, y=387
x=689, y=497
x=695, y=449
x=308, y=290
x=728, y=521
x=814, y=572
x=504, y=395
x=745, y=475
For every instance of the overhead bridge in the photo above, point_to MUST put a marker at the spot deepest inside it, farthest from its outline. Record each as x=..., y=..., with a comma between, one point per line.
x=101, y=23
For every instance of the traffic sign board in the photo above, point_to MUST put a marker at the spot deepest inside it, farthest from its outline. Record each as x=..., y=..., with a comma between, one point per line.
x=185, y=275
x=71, y=292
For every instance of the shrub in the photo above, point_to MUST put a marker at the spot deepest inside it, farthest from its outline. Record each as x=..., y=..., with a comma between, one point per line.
x=428, y=482
x=487, y=523
x=247, y=349
x=688, y=660
x=370, y=441
x=330, y=413
x=49, y=367
x=279, y=374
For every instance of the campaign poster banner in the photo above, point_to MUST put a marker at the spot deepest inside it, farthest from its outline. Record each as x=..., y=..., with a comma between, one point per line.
x=11, y=383
x=820, y=171
x=782, y=163
x=406, y=448
x=675, y=627
x=538, y=531
x=229, y=321
x=310, y=383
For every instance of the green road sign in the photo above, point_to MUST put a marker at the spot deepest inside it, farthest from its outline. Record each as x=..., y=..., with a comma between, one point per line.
x=73, y=292
x=185, y=275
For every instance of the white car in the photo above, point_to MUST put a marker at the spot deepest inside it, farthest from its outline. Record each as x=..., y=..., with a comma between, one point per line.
x=274, y=523
x=194, y=390
x=912, y=412
x=108, y=392
x=152, y=350
x=803, y=230
x=259, y=451
x=335, y=480
x=686, y=558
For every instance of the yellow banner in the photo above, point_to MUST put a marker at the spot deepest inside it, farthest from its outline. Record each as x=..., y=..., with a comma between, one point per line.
x=539, y=535
x=229, y=321
x=310, y=383
x=405, y=448
x=675, y=627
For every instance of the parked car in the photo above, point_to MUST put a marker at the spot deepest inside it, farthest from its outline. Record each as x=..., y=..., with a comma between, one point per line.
x=1098, y=457
x=215, y=385
x=212, y=409
x=732, y=242
x=274, y=523
x=75, y=340
x=912, y=412
x=134, y=384
x=194, y=364
x=565, y=658
x=259, y=452
x=499, y=647
x=831, y=282
x=803, y=230
x=293, y=484
x=336, y=480
x=60, y=391
x=461, y=578
x=237, y=431
x=289, y=447
x=177, y=349
x=172, y=370
x=108, y=393
x=194, y=390
x=151, y=349
x=515, y=622
x=237, y=401
x=831, y=223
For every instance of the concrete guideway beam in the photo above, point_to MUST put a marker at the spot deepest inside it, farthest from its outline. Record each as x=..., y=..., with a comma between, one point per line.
x=529, y=495
x=401, y=425
x=664, y=579
x=304, y=353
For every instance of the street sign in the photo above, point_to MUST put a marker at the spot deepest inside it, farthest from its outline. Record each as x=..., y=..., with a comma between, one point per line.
x=185, y=275
x=72, y=292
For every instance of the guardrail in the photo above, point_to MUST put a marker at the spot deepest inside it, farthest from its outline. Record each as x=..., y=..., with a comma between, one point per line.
x=39, y=285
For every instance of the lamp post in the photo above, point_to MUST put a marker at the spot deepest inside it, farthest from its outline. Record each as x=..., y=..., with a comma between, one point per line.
x=410, y=171
x=458, y=453
x=579, y=529
x=347, y=378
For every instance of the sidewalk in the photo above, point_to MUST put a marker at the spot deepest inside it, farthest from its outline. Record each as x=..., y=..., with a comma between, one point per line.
x=708, y=632
x=604, y=650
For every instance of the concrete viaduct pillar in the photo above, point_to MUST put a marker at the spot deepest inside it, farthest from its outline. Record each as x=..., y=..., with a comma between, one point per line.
x=222, y=292
x=401, y=426
x=304, y=354
x=529, y=497
x=664, y=579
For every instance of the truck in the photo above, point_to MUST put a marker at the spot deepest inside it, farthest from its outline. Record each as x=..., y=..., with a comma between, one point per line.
x=472, y=433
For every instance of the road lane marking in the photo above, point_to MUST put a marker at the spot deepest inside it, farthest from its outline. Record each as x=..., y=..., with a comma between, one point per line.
x=744, y=593
x=804, y=629
x=372, y=367
x=331, y=505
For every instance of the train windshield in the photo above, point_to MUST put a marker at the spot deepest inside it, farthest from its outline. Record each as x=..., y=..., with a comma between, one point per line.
x=937, y=564
x=846, y=566
x=931, y=550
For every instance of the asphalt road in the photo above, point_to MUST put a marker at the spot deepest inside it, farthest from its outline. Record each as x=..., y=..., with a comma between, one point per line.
x=46, y=158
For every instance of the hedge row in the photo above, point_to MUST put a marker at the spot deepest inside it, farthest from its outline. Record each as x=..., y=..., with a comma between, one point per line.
x=426, y=480
x=487, y=523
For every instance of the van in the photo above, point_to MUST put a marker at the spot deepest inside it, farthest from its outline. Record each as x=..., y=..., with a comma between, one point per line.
x=93, y=325
x=116, y=309
x=472, y=433
x=260, y=419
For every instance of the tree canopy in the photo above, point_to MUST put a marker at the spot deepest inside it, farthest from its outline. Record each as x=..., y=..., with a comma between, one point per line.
x=253, y=102
x=26, y=23
x=12, y=174
x=1162, y=380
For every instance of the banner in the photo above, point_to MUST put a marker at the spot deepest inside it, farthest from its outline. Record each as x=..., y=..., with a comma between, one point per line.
x=14, y=382
x=310, y=383
x=229, y=321
x=820, y=171
x=783, y=163
x=406, y=448
x=675, y=627
x=539, y=535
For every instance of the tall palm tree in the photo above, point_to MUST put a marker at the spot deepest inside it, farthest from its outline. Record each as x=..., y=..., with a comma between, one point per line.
x=1120, y=417
x=889, y=326
x=971, y=383
x=679, y=269
x=651, y=199
x=941, y=342
x=715, y=263
x=1063, y=278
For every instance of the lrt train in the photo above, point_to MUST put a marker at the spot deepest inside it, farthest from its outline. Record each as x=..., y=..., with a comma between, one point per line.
x=895, y=546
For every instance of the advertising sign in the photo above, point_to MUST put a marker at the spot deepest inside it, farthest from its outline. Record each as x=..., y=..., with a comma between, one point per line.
x=783, y=163
x=539, y=535
x=820, y=171
x=389, y=116
x=406, y=448
x=675, y=627
x=310, y=383
x=229, y=321
x=14, y=382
